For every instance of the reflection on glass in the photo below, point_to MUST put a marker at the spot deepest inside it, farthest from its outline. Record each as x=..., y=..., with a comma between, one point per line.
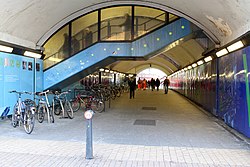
x=172, y=17
x=84, y=32
x=116, y=23
x=147, y=19
x=57, y=47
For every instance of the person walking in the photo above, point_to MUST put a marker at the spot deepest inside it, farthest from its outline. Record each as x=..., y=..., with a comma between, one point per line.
x=166, y=84
x=157, y=83
x=132, y=86
x=144, y=83
x=152, y=84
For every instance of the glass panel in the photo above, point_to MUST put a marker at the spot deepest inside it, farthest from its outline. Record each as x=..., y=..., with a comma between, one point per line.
x=172, y=17
x=116, y=23
x=57, y=47
x=147, y=19
x=84, y=32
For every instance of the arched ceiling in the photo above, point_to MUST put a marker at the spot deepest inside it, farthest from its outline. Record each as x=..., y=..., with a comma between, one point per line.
x=29, y=23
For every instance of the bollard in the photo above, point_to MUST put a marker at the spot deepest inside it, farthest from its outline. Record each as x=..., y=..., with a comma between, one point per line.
x=89, y=142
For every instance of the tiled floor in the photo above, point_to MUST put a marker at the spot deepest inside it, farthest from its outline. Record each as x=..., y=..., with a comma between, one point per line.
x=182, y=136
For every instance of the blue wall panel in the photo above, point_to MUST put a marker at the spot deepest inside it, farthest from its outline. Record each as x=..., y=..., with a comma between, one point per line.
x=100, y=51
x=233, y=95
x=200, y=85
x=161, y=38
x=17, y=73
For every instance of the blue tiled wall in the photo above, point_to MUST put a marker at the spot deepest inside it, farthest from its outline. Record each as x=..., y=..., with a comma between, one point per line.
x=18, y=73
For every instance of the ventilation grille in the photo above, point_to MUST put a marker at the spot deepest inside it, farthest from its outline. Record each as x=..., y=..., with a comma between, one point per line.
x=148, y=108
x=145, y=122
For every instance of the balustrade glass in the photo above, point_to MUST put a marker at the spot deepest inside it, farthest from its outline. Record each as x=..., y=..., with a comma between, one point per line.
x=116, y=23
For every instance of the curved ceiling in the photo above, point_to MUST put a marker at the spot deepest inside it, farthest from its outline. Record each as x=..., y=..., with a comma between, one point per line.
x=29, y=23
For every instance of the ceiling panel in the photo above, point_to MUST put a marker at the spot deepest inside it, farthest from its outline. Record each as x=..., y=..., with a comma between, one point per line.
x=30, y=22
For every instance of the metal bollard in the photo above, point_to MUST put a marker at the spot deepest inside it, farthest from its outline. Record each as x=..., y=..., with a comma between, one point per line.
x=89, y=142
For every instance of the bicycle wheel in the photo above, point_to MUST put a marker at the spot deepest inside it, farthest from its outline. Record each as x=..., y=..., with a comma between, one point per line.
x=98, y=105
x=14, y=119
x=68, y=109
x=57, y=107
x=52, y=119
x=75, y=104
x=29, y=120
x=40, y=114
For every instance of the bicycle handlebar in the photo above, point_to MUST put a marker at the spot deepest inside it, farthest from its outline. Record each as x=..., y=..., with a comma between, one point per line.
x=41, y=93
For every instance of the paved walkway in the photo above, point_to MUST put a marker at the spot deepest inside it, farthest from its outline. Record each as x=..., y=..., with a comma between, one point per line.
x=182, y=135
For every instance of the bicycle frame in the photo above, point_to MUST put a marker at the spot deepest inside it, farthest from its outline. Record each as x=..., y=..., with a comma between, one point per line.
x=23, y=113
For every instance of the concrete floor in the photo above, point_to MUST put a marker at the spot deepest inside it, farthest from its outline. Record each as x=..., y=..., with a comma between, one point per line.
x=183, y=135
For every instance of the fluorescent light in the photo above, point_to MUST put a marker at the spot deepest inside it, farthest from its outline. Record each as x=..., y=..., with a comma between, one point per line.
x=101, y=69
x=185, y=69
x=221, y=52
x=235, y=46
x=6, y=49
x=189, y=67
x=54, y=59
x=107, y=70
x=111, y=71
x=32, y=54
x=130, y=75
x=200, y=62
x=207, y=59
x=194, y=65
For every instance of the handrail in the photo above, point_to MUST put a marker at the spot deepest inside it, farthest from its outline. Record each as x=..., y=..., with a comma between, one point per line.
x=104, y=27
x=152, y=19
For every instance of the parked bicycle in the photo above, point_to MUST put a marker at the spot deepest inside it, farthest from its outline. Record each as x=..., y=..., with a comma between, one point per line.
x=88, y=101
x=24, y=112
x=44, y=108
x=61, y=104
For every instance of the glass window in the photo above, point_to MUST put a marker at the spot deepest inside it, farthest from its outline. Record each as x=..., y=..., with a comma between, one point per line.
x=84, y=32
x=116, y=23
x=56, y=48
x=147, y=19
x=172, y=17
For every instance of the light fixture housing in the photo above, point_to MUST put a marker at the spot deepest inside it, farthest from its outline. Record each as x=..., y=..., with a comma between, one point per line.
x=6, y=49
x=32, y=54
x=101, y=69
x=235, y=46
x=194, y=65
x=222, y=52
x=200, y=62
x=207, y=59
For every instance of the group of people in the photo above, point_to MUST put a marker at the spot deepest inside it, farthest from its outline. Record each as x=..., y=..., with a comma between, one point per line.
x=143, y=84
x=155, y=83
